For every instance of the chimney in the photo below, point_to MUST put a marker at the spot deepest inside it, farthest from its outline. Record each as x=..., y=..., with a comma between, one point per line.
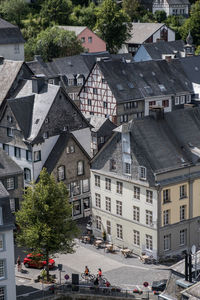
x=156, y=112
x=1, y=60
x=38, y=83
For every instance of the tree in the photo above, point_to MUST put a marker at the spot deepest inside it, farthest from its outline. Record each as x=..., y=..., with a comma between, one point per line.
x=56, y=11
x=132, y=8
x=53, y=42
x=14, y=10
x=112, y=25
x=160, y=16
x=84, y=16
x=45, y=219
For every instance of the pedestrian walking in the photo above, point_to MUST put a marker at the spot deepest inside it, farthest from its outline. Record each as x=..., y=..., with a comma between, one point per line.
x=19, y=265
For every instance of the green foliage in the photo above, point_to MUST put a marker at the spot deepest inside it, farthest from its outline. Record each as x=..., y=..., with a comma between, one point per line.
x=147, y=17
x=112, y=25
x=56, y=12
x=84, y=16
x=160, y=16
x=133, y=9
x=14, y=10
x=53, y=42
x=197, y=52
x=45, y=219
x=175, y=23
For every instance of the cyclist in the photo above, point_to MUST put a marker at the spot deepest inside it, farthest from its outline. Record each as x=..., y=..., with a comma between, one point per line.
x=99, y=273
x=86, y=271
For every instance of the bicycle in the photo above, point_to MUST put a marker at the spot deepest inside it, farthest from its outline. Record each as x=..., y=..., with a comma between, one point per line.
x=88, y=277
x=104, y=280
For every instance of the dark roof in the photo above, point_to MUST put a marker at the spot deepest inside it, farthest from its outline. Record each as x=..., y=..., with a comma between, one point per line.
x=23, y=111
x=130, y=81
x=191, y=66
x=106, y=128
x=156, y=50
x=8, y=220
x=171, y=142
x=7, y=165
x=179, y=2
x=10, y=34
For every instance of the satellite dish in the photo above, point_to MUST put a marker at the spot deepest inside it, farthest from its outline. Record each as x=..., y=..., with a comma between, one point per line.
x=193, y=249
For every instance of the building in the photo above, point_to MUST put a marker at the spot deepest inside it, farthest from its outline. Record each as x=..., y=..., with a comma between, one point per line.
x=32, y=122
x=11, y=175
x=70, y=162
x=172, y=7
x=7, y=281
x=11, y=41
x=123, y=91
x=145, y=184
x=90, y=41
x=160, y=50
x=143, y=33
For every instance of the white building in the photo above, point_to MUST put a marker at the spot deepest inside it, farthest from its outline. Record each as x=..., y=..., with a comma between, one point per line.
x=171, y=7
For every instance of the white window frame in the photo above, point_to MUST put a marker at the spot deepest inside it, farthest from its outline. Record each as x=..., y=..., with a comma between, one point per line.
x=183, y=237
x=10, y=183
x=166, y=196
x=136, y=238
x=119, y=187
x=182, y=212
x=108, y=227
x=149, y=217
x=177, y=100
x=119, y=208
x=136, y=213
x=98, y=223
x=98, y=200
x=27, y=174
x=149, y=196
x=2, y=268
x=143, y=173
x=127, y=168
x=182, y=101
x=167, y=242
x=149, y=242
x=85, y=185
x=80, y=167
x=183, y=191
x=61, y=173
x=166, y=217
x=97, y=179
x=2, y=247
x=119, y=231
x=12, y=205
x=108, y=184
x=108, y=203
x=136, y=193
x=2, y=293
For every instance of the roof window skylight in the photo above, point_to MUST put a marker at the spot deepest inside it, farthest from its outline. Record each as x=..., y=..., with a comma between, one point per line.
x=196, y=69
x=162, y=87
x=130, y=84
x=148, y=89
x=141, y=75
x=120, y=87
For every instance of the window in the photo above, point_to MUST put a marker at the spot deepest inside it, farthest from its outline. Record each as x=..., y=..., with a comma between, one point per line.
x=37, y=156
x=16, y=48
x=10, y=119
x=45, y=135
x=136, y=238
x=167, y=242
x=17, y=152
x=136, y=213
x=27, y=174
x=77, y=208
x=183, y=233
x=1, y=243
x=75, y=188
x=105, y=104
x=136, y=192
x=177, y=100
x=90, y=39
x=67, y=150
x=127, y=168
x=83, y=39
x=165, y=103
x=182, y=100
x=98, y=200
x=2, y=268
x=102, y=139
x=70, y=81
x=103, y=80
x=10, y=183
x=152, y=103
x=46, y=121
x=108, y=184
x=10, y=132
x=85, y=185
x=97, y=180
x=80, y=167
x=119, y=232
x=108, y=204
x=188, y=98
x=149, y=196
x=119, y=187
x=2, y=293
x=6, y=148
x=95, y=91
x=61, y=173
x=142, y=173
x=89, y=102
x=72, y=149
x=86, y=203
x=123, y=118
x=108, y=225
x=162, y=87
x=166, y=217
x=98, y=222
x=149, y=242
x=119, y=208
x=166, y=196
x=182, y=212
x=12, y=205
x=28, y=155
x=183, y=191
x=112, y=165
x=149, y=217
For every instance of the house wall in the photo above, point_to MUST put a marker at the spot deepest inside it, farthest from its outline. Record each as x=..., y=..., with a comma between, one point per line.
x=142, y=55
x=158, y=102
x=174, y=9
x=8, y=255
x=9, y=52
x=96, y=45
x=157, y=34
x=131, y=113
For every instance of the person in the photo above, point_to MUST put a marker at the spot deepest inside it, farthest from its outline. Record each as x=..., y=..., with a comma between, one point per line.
x=86, y=271
x=96, y=282
x=19, y=266
x=99, y=273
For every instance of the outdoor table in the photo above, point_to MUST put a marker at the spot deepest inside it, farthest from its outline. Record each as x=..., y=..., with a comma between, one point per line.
x=126, y=252
x=109, y=247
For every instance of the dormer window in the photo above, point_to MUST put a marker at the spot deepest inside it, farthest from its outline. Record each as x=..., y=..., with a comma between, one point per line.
x=45, y=135
x=10, y=119
x=70, y=81
x=143, y=173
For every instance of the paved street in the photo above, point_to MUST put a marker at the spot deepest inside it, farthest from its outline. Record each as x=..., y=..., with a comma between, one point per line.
x=127, y=273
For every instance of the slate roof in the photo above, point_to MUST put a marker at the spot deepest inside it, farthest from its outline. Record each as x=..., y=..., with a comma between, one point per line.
x=127, y=81
x=8, y=73
x=83, y=136
x=9, y=33
x=178, y=2
x=76, y=29
x=8, y=220
x=7, y=165
x=140, y=32
x=156, y=50
x=37, y=104
x=191, y=67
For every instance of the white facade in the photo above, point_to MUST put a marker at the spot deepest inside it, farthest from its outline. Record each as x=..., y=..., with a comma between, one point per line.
x=158, y=34
x=12, y=51
x=130, y=205
x=174, y=9
x=7, y=281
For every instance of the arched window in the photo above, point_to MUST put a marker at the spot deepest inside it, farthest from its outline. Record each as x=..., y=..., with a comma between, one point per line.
x=61, y=173
x=27, y=174
x=80, y=167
